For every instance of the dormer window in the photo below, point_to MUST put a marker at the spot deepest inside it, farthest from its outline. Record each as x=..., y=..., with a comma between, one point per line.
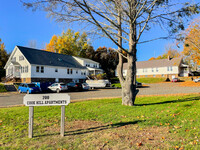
x=14, y=59
x=21, y=58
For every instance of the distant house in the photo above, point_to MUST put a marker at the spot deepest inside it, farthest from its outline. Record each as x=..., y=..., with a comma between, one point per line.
x=33, y=65
x=168, y=68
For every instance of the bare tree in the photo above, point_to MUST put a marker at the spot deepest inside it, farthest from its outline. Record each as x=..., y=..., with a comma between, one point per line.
x=123, y=22
x=32, y=43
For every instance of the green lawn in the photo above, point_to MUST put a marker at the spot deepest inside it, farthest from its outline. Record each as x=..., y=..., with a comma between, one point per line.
x=153, y=123
x=143, y=80
x=151, y=80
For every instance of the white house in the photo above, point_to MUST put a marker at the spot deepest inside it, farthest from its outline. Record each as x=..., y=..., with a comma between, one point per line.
x=169, y=68
x=33, y=65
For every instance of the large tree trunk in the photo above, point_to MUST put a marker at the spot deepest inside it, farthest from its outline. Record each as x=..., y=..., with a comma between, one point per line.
x=129, y=90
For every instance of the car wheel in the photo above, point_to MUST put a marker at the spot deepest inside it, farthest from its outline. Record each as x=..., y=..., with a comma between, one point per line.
x=57, y=91
x=20, y=91
x=27, y=92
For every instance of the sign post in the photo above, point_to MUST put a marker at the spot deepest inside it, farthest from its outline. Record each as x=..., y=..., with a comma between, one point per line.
x=32, y=100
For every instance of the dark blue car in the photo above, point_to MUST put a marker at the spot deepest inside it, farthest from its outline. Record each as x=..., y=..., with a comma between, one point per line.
x=28, y=88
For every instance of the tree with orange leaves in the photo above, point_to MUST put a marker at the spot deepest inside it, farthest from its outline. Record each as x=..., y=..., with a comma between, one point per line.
x=69, y=43
x=192, y=44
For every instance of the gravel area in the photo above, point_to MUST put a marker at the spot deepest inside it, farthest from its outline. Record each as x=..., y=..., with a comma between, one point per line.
x=13, y=98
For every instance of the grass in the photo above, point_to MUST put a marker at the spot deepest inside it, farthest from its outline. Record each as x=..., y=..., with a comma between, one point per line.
x=2, y=88
x=151, y=80
x=153, y=123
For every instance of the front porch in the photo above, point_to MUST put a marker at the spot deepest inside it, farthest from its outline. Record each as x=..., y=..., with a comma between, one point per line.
x=94, y=71
x=13, y=71
x=185, y=70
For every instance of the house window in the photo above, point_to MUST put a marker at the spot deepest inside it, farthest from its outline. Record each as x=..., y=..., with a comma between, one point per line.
x=146, y=76
x=171, y=68
x=26, y=69
x=76, y=71
x=154, y=75
x=42, y=69
x=37, y=68
x=14, y=59
x=162, y=75
x=156, y=69
x=152, y=69
x=71, y=71
x=56, y=69
x=22, y=69
x=21, y=58
x=167, y=68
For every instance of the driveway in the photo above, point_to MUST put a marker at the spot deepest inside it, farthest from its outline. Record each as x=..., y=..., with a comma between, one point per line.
x=10, y=99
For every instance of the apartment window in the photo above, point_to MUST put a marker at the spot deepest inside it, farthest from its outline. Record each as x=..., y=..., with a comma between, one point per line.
x=42, y=69
x=22, y=69
x=56, y=69
x=26, y=69
x=37, y=68
x=14, y=59
x=21, y=58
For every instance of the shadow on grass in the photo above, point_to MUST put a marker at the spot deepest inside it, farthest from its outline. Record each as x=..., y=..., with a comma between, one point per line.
x=100, y=128
x=172, y=101
x=93, y=129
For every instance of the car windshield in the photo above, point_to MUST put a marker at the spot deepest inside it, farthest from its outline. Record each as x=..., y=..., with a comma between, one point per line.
x=32, y=85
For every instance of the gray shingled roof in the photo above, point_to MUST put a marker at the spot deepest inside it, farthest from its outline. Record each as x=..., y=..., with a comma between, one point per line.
x=157, y=63
x=41, y=57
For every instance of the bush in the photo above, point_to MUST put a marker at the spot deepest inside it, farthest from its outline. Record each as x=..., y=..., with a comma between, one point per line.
x=2, y=88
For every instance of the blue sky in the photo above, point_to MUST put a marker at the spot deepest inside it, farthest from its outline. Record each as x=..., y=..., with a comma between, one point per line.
x=18, y=26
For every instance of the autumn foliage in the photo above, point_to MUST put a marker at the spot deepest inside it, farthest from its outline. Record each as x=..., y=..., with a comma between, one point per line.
x=69, y=43
x=192, y=43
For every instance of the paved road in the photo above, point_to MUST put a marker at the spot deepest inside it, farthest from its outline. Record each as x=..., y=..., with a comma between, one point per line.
x=10, y=99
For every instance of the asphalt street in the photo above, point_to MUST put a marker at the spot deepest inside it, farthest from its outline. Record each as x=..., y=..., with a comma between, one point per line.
x=14, y=98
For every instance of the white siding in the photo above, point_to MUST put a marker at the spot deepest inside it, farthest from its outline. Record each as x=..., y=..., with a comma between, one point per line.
x=158, y=71
x=49, y=72
x=17, y=53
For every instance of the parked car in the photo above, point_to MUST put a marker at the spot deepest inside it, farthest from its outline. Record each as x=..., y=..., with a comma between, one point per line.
x=196, y=80
x=85, y=86
x=138, y=84
x=28, y=88
x=58, y=87
x=74, y=86
x=176, y=80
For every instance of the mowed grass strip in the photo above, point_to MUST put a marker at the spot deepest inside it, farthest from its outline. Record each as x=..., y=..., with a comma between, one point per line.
x=153, y=123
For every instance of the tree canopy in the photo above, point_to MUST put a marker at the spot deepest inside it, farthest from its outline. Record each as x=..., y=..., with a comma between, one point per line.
x=69, y=43
x=3, y=58
x=192, y=43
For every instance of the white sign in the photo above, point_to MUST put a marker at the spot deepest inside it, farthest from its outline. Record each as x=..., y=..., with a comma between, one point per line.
x=46, y=99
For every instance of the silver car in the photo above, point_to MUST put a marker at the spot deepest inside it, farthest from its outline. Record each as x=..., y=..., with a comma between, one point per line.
x=196, y=80
x=58, y=87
